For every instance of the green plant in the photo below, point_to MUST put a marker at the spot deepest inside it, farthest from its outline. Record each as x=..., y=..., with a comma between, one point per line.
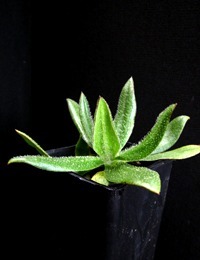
x=103, y=143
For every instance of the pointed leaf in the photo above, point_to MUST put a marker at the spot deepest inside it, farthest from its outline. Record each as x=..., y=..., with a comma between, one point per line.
x=59, y=164
x=183, y=152
x=172, y=133
x=74, y=112
x=151, y=140
x=125, y=117
x=86, y=118
x=32, y=143
x=106, y=143
x=134, y=175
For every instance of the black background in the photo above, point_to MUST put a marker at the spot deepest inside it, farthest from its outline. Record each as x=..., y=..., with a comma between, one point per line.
x=53, y=50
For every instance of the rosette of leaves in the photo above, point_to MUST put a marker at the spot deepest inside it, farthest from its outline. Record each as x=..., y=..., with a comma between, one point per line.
x=102, y=145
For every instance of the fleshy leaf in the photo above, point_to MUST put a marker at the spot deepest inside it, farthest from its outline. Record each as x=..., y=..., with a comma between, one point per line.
x=172, y=133
x=86, y=118
x=105, y=142
x=32, y=143
x=60, y=164
x=151, y=140
x=126, y=111
x=74, y=112
x=134, y=175
x=183, y=152
x=99, y=177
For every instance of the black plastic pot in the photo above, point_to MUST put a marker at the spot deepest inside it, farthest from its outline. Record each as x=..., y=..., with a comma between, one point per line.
x=112, y=223
x=66, y=216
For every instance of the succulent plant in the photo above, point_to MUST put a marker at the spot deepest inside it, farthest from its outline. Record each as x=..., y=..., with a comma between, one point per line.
x=102, y=153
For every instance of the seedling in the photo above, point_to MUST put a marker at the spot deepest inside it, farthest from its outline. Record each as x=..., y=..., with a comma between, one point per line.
x=101, y=152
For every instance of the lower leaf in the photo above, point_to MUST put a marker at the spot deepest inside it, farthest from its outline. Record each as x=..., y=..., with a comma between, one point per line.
x=60, y=164
x=134, y=175
x=99, y=177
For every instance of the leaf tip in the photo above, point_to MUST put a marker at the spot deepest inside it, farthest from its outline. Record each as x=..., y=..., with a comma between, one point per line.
x=68, y=100
x=82, y=95
x=131, y=79
x=10, y=161
x=16, y=130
